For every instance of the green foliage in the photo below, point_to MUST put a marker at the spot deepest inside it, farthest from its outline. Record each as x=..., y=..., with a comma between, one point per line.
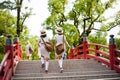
x=57, y=5
x=7, y=26
x=99, y=37
x=79, y=20
x=32, y=39
x=6, y=5
x=83, y=15
x=1, y=56
x=2, y=47
x=7, y=23
x=71, y=34
x=117, y=42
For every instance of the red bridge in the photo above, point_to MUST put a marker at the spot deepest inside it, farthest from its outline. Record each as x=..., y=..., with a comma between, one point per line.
x=87, y=61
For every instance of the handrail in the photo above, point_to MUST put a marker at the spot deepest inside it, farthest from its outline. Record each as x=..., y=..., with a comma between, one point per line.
x=98, y=54
x=100, y=45
x=117, y=60
x=102, y=53
x=8, y=62
x=4, y=59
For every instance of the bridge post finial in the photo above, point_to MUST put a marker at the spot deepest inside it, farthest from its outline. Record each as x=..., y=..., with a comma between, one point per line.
x=16, y=39
x=84, y=37
x=111, y=40
x=9, y=40
x=85, y=46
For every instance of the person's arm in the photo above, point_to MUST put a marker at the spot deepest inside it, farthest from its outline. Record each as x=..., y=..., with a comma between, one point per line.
x=38, y=43
x=66, y=42
x=55, y=46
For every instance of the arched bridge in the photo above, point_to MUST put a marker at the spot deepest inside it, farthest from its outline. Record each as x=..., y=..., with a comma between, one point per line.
x=88, y=61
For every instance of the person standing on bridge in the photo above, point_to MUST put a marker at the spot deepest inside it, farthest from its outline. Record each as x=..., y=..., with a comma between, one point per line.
x=45, y=56
x=60, y=39
x=29, y=50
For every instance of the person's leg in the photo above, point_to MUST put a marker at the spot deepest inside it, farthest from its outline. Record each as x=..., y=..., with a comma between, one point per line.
x=42, y=61
x=39, y=54
x=46, y=64
x=60, y=61
x=64, y=55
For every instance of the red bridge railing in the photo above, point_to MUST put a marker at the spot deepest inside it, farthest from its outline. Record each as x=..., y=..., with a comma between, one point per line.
x=108, y=55
x=13, y=53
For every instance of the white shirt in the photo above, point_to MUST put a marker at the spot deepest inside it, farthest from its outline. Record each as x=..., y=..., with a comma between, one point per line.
x=46, y=39
x=59, y=39
x=27, y=49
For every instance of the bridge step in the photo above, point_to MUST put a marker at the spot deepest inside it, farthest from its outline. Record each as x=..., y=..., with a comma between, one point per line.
x=71, y=77
x=65, y=73
x=73, y=70
x=69, y=66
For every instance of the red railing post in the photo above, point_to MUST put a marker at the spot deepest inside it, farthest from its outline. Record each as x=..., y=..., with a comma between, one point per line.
x=9, y=47
x=112, y=47
x=71, y=54
x=97, y=48
x=85, y=46
x=19, y=52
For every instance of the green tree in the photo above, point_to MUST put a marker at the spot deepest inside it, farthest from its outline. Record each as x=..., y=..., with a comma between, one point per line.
x=98, y=37
x=82, y=17
x=7, y=26
x=21, y=16
x=7, y=23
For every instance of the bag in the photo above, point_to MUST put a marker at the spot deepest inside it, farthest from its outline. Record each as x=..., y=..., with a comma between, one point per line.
x=48, y=46
x=59, y=49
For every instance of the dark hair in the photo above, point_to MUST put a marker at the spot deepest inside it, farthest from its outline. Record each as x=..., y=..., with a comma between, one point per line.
x=43, y=32
x=43, y=35
x=59, y=33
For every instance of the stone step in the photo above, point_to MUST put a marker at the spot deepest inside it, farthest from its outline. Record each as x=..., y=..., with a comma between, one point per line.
x=116, y=78
x=71, y=77
x=56, y=70
x=73, y=70
x=84, y=62
x=65, y=73
x=69, y=66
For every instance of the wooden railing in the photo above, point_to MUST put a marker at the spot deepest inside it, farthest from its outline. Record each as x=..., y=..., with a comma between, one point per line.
x=108, y=55
x=13, y=53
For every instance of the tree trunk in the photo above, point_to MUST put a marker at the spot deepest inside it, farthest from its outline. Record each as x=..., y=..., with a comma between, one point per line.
x=19, y=4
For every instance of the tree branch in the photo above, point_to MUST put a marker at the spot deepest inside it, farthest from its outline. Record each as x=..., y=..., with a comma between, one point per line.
x=98, y=29
x=112, y=27
x=89, y=28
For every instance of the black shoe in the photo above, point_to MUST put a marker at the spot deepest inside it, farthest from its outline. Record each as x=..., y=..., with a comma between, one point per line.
x=46, y=71
x=61, y=70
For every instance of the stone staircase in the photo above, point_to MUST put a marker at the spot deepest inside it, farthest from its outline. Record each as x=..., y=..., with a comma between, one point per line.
x=73, y=70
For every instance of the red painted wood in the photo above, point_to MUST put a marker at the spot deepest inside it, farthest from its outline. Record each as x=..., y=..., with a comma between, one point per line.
x=8, y=62
x=110, y=57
